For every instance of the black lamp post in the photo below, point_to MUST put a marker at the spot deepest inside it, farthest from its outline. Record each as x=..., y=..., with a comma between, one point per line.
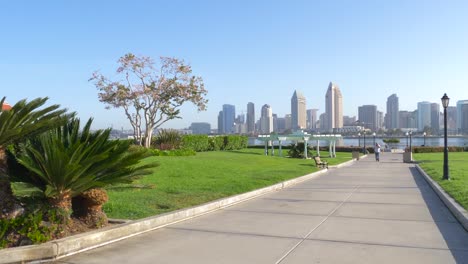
x=359, y=139
x=424, y=134
x=445, y=102
x=407, y=134
x=410, y=142
x=364, y=134
x=374, y=138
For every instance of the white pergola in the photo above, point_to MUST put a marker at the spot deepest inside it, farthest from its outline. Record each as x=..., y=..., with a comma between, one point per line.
x=300, y=136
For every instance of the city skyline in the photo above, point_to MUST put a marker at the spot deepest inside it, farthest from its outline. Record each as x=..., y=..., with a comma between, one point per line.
x=261, y=54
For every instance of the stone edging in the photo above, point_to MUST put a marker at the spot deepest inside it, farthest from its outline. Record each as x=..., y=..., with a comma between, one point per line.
x=457, y=210
x=64, y=247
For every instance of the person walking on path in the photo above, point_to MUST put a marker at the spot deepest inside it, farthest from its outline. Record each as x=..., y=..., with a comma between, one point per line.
x=377, y=151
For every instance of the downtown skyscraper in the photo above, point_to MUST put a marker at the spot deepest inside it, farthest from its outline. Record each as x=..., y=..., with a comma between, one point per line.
x=333, y=108
x=226, y=119
x=392, y=119
x=266, y=119
x=424, y=115
x=368, y=117
x=298, y=111
x=250, y=117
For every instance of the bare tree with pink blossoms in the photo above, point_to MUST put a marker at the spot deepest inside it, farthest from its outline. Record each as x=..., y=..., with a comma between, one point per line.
x=151, y=94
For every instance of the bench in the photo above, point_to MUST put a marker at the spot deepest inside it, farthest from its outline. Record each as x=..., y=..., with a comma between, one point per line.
x=320, y=163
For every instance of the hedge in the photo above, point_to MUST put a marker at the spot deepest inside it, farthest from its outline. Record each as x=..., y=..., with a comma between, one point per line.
x=201, y=143
x=198, y=143
x=438, y=149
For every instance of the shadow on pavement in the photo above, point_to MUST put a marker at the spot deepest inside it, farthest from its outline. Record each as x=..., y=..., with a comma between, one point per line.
x=452, y=232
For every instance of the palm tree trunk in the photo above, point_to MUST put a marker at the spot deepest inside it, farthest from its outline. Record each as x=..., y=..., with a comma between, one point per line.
x=63, y=204
x=7, y=198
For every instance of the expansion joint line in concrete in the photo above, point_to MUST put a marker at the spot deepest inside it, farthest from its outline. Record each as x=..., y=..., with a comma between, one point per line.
x=317, y=226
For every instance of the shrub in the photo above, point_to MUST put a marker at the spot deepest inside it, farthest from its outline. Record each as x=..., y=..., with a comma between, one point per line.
x=391, y=140
x=167, y=139
x=198, y=143
x=233, y=142
x=297, y=150
x=26, y=229
x=437, y=149
x=216, y=143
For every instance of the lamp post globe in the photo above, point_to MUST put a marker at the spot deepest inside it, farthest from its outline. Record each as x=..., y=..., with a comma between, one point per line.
x=424, y=134
x=373, y=134
x=445, y=102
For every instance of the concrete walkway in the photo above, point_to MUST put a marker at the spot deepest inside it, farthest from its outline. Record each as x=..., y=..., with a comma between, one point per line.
x=370, y=212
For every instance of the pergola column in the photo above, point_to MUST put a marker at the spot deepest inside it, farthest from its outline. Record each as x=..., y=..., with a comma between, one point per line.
x=318, y=147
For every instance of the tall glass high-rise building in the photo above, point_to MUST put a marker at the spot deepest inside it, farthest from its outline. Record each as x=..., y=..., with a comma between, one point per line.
x=333, y=108
x=462, y=116
x=250, y=117
x=229, y=116
x=393, y=120
x=424, y=115
x=367, y=115
x=298, y=111
x=435, y=118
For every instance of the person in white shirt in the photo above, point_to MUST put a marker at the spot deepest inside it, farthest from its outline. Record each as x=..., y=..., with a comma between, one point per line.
x=377, y=151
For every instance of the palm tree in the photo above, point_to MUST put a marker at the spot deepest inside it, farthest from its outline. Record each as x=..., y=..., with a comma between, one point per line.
x=23, y=120
x=66, y=162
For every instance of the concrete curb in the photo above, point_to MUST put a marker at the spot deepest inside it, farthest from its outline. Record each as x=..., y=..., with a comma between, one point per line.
x=457, y=210
x=78, y=243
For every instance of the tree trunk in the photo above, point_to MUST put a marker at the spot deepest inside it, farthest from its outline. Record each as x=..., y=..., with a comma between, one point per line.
x=148, y=137
x=63, y=204
x=88, y=207
x=7, y=199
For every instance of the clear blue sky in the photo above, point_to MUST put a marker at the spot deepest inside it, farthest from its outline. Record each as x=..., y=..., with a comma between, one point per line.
x=257, y=51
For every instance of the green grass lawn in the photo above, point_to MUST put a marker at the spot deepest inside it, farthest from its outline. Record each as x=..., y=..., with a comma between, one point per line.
x=457, y=187
x=181, y=182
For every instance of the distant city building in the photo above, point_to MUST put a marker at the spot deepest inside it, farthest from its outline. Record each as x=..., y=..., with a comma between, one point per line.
x=220, y=123
x=435, y=118
x=250, y=117
x=462, y=116
x=240, y=127
x=229, y=114
x=280, y=124
x=424, y=115
x=392, y=116
x=380, y=120
x=298, y=111
x=311, y=119
x=200, y=128
x=404, y=119
x=287, y=121
x=275, y=123
x=333, y=108
x=349, y=121
x=367, y=115
x=266, y=119
x=323, y=123
x=451, y=119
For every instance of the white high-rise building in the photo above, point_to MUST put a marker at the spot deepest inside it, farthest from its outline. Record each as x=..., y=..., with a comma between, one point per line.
x=333, y=108
x=266, y=119
x=298, y=111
